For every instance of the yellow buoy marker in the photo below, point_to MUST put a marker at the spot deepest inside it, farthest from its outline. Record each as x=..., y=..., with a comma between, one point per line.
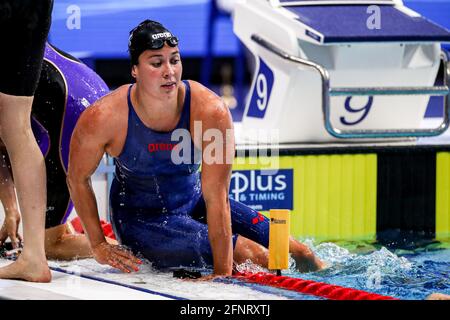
x=279, y=239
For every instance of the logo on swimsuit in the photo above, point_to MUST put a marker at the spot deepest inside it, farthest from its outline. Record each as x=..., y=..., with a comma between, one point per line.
x=262, y=191
x=258, y=219
x=153, y=147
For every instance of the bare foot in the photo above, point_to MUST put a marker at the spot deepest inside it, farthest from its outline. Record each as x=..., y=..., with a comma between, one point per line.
x=305, y=259
x=438, y=296
x=321, y=265
x=309, y=263
x=22, y=269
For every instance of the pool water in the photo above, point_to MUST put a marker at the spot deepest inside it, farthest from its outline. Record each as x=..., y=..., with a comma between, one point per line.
x=411, y=274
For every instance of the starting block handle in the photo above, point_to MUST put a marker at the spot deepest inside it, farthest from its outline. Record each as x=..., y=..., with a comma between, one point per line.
x=390, y=91
x=297, y=3
x=328, y=92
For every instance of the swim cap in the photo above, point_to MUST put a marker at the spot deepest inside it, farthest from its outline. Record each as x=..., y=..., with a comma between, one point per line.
x=149, y=35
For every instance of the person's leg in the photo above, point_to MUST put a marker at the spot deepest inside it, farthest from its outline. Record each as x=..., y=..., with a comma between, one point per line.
x=29, y=176
x=21, y=63
x=438, y=296
x=252, y=242
x=305, y=259
x=62, y=243
x=247, y=249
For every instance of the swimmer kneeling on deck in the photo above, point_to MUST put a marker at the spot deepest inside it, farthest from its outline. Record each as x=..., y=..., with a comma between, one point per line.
x=163, y=209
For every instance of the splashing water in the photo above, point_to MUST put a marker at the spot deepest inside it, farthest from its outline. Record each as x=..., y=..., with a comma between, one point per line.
x=249, y=266
x=381, y=271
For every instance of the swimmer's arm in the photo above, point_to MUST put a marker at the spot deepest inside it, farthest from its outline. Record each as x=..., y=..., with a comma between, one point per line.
x=7, y=193
x=9, y=201
x=87, y=147
x=216, y=175
x=93, y=134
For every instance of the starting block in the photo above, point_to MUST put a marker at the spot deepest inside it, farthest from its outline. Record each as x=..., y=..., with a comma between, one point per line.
x=341, y=70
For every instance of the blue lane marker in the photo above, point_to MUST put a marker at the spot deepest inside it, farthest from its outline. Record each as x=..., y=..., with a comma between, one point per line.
x=118, y=284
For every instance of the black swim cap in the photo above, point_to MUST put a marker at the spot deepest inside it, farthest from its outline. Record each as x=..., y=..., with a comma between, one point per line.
x=149, y=35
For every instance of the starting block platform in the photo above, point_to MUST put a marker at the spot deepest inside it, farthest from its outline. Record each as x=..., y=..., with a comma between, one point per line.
x=330, y=71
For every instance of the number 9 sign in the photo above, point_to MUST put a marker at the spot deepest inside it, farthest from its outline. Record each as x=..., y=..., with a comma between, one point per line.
x=261, y=91
x=364, y=111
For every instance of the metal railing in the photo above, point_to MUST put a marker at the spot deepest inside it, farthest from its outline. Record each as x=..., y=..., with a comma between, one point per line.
x=328, y=92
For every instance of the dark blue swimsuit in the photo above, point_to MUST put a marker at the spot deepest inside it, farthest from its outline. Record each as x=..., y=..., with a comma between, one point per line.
x=157, y=206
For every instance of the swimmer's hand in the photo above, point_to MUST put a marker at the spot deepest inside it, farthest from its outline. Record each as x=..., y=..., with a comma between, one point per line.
x=10, y=229
x=116, y=256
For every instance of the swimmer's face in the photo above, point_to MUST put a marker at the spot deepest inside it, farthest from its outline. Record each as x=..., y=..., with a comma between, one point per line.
x=159, y=71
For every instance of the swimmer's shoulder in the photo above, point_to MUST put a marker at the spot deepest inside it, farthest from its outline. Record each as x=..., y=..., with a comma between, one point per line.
x=205, y=104
x=108, y=114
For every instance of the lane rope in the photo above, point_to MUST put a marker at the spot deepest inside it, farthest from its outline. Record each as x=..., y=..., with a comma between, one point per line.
x=319, y=289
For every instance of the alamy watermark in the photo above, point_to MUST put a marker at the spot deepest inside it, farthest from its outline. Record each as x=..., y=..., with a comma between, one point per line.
x=73, y=21
x=258, y=147
x=373, y=22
